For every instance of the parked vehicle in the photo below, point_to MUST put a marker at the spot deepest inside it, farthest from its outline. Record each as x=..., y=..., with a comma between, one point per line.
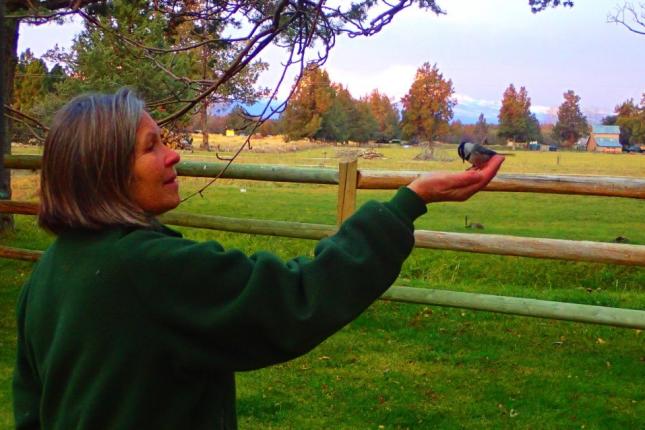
x=633, y=148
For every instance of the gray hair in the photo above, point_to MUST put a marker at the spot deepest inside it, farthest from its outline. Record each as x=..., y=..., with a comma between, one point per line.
x=87, y=164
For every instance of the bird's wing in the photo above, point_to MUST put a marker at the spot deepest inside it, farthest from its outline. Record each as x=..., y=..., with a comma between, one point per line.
x=483, y=150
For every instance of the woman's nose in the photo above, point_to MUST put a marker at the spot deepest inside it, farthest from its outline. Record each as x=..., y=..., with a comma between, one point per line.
x=172, y=157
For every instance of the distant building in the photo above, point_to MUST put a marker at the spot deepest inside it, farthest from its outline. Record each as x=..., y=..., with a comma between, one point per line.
x=581, y=144
x=230, y=133
x=605, y=138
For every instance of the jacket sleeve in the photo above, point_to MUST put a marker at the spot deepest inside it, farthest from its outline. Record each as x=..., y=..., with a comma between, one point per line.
x=224, y=310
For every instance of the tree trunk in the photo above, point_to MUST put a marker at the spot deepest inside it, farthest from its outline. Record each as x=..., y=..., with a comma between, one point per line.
x=204, y=108
x=8, y=60
x=204, y=124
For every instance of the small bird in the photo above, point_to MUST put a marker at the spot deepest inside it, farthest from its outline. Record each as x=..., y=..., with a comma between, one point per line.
x=474, y=153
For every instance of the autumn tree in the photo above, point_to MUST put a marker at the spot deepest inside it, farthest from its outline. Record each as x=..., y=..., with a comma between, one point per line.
x=480, y=132
x=571, y=124
x=428, y=105
x=516, y=122
x=385, y=114
x=336, y=120
x=312, y=98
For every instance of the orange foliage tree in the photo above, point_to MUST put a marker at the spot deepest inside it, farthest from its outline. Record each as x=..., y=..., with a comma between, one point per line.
x=428, y=105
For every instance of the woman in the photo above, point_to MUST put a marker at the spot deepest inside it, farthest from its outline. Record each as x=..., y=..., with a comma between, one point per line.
x=124, y=324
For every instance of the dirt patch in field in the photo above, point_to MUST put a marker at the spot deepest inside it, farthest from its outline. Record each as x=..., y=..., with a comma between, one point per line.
x=367, y=154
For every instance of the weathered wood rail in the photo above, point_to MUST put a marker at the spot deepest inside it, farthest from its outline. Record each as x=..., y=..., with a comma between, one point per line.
x=573, y=250
x=348, y=179
x=617, y=317
x=525, y=183
x=367, y=179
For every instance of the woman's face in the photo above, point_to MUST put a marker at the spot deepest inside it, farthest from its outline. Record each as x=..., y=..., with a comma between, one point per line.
x=154, y=187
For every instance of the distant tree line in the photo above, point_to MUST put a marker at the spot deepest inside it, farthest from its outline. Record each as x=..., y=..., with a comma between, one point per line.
x=319, y=109
x=326, y=111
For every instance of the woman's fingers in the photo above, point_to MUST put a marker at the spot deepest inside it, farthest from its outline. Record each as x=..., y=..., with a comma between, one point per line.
x=455, y=186
x=487, y=173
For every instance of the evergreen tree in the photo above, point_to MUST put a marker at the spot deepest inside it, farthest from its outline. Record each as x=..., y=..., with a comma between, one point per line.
x=533, y=129
x=571, y=124
x=631, y=119
x=30, y=83
x=428, y=105
x=347, y=119
x=313, y=97
x=481, y=129
x=55, y=76
x=34, y=92
x=363, y=125
x=237, y=120
x=100, y=61
x=515, y=119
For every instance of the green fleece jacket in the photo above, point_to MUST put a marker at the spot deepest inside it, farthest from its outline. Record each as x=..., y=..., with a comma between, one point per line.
x=133, y=328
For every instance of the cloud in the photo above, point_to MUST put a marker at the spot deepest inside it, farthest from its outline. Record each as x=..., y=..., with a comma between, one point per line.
x=394, y=80
x=472, y=101
x=544, y=110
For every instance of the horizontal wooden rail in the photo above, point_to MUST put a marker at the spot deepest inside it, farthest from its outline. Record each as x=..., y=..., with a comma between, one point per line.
x=368, y=179
x=257, y=172
x=19, y=254
x=552, y=184
x=18, y=207
x=573, y=250
x=617, y=317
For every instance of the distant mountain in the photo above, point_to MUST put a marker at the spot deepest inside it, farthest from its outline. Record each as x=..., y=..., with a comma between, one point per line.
x=467, y=111
x=256, y=108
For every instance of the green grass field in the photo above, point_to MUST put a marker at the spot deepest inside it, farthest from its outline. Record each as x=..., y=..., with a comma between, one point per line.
x=411, y=366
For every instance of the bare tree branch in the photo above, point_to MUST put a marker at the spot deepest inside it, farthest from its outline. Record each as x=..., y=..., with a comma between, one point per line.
x=261, y=119
x=628, y=16
x=16, y=113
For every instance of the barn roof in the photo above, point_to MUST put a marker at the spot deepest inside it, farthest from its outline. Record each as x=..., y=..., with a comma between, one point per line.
x=606, y=129
x=608, y=142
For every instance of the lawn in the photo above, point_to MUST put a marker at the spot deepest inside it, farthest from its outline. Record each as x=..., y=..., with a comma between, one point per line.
x=411, y=366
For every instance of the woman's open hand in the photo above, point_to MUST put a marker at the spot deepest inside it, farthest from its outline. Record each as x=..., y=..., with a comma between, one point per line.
x=455, y=187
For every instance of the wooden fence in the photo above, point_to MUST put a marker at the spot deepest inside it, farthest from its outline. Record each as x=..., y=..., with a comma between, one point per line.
x=349, y=179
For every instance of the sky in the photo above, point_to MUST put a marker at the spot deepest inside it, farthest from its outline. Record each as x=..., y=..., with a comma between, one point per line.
x=482, y=46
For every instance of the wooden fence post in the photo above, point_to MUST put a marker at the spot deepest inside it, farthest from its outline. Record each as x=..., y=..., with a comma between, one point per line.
x=347, y=182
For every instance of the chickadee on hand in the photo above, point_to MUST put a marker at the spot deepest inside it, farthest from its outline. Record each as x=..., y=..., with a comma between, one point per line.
x=475, y=154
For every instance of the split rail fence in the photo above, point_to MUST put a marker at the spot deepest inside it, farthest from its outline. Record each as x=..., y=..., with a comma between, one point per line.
x=349, y=179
